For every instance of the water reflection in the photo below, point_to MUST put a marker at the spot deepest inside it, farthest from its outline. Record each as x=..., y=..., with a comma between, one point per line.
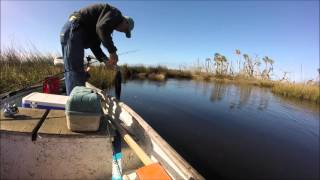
x=311, y=107
x=218, y=92
x=236, y=96
x=146, y=83
x=244, y=95
x=240, y=96
x=157, y=83
x=263, y=103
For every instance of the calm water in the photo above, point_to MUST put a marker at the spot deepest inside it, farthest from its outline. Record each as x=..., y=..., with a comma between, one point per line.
x=227, y=131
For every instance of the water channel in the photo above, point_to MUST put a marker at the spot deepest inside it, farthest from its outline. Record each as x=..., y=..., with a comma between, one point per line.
x=231, y=131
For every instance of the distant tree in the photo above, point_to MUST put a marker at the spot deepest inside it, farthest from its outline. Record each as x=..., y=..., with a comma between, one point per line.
x=225, y=65
x=207, y=65
x=217, y=62
x=231, y=70
x=238, y=53
x=268, y=69
x=285, y=76
x=318, y=78
x=250, y=65
x=220, y=63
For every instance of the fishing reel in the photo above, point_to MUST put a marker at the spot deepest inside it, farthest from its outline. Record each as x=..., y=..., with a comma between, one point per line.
x=88, y=58
x=10, y=110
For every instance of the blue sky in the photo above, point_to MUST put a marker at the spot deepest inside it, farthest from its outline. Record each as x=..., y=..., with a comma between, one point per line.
x=177, y=33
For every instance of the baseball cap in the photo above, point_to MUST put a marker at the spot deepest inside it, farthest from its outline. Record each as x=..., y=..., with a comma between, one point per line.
x=131, y=25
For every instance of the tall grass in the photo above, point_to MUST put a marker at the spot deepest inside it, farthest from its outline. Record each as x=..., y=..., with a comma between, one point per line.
x=142, y=71
x=301, y=91
x=101, y=77
x=20, y=69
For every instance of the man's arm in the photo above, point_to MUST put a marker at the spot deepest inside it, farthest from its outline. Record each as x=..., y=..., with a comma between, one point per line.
x=98, y=53
x=106, y=39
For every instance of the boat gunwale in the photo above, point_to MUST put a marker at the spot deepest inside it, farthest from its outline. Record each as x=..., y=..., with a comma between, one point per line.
x=173, y=155
x=165, y=147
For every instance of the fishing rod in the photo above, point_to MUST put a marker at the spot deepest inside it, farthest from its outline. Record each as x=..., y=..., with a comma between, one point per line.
x=118, y=79
x=89, y=62
x=128, y=52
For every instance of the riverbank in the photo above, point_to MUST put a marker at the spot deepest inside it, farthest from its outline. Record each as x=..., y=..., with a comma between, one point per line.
x=300, y=91
x=18, y=70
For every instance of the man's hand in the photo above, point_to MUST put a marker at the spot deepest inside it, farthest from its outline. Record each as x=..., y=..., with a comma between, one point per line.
x=113, y=59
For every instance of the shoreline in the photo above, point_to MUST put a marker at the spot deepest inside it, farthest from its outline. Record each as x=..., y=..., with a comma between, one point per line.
x=18, y=71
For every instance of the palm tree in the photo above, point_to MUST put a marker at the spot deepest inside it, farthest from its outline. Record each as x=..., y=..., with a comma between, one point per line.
x=251, y=66
x=267, y=70
x=224, y=64
x=271, y=62
x=246, y=63
x=266, y=61
x=318, y=78
x=207, y=64
x=238, y=53
x=217, y=62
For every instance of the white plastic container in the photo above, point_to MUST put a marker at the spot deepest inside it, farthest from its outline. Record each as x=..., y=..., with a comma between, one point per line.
x=77, y=121
x=44, y=101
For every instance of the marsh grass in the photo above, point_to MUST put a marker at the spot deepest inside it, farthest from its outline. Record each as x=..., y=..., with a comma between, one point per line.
x=301, y=91
x=180, y=74
x=102, y=77
x=158, y=73
x=244, y=81
x=19, y=69
x=154, y=72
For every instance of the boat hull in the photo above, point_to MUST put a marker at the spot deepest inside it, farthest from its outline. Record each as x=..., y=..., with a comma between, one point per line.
x=59, y=154
x=56, y=153
x=150, y=141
